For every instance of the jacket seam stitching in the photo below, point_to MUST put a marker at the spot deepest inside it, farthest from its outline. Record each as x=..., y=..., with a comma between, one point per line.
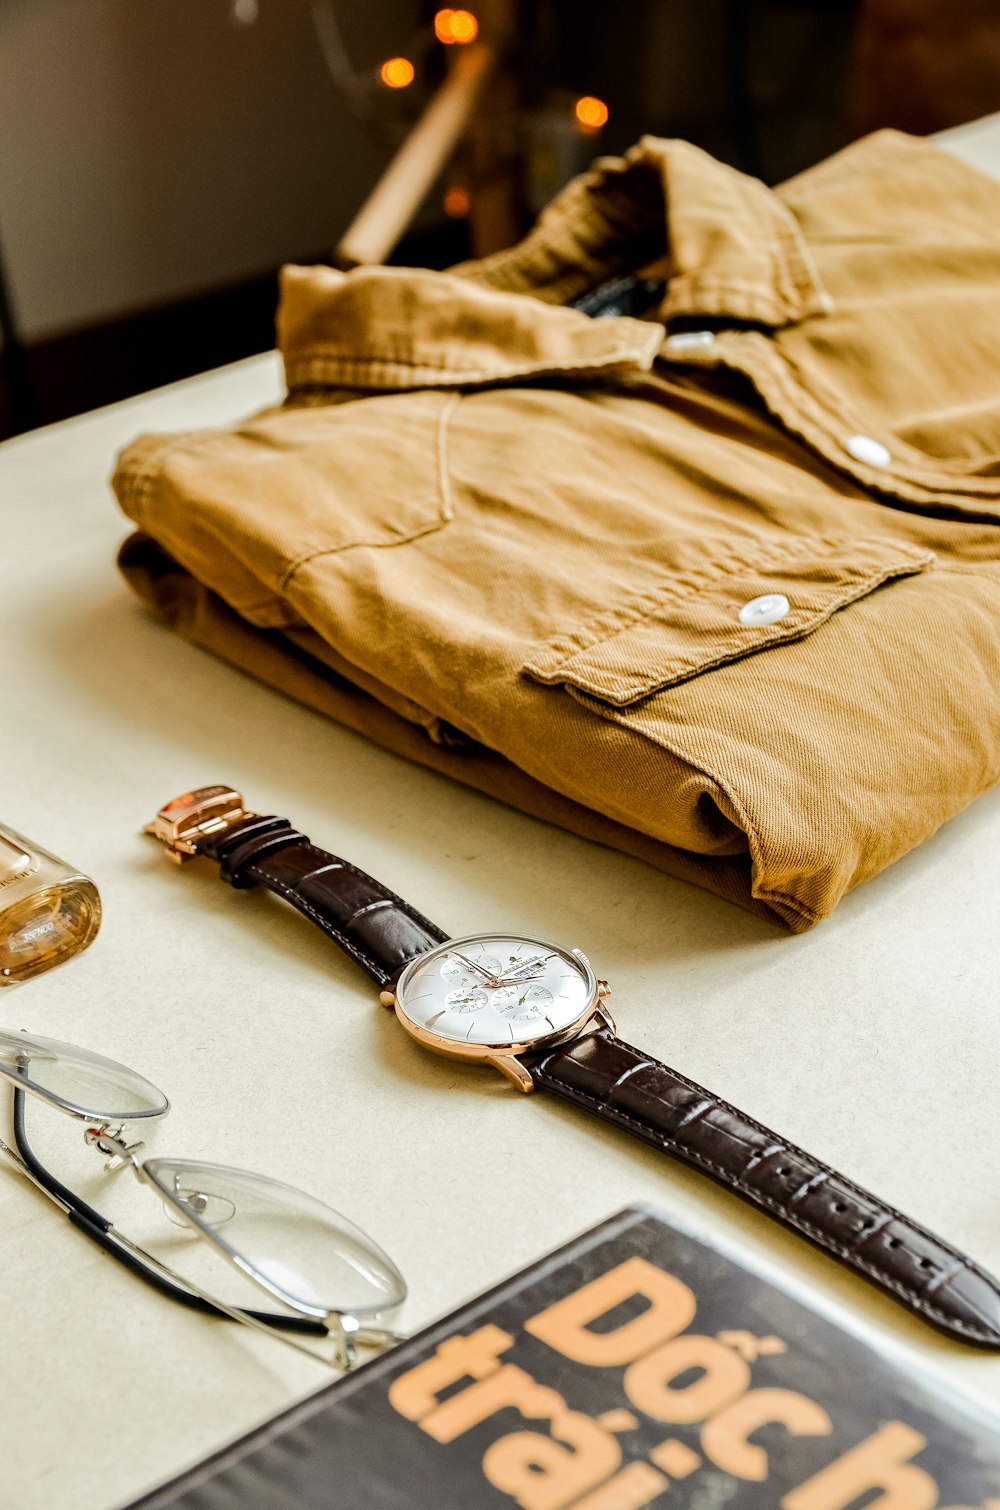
x=444, y=516
x=377, y=359
x=821, y=420
x=619, y=621
x=855, y=587
x=444, y=472
x=341, y=367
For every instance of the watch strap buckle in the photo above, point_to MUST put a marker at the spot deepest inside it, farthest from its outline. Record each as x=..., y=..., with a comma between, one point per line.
x=180, y=823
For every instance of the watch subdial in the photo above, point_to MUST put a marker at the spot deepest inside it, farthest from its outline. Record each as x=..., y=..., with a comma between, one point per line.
x=524, y=1003
x=505, y=996
x=469, y=999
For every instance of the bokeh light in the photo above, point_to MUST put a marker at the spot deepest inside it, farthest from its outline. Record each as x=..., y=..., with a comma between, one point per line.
x=455, y=26
x=456, y=202
x=591, y=112
x=396, y=73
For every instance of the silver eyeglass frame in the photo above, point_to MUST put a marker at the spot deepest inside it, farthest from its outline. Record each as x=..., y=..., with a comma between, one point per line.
x=105, y=1131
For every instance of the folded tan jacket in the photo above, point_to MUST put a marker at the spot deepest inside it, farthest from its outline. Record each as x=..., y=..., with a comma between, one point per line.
x=719, y=587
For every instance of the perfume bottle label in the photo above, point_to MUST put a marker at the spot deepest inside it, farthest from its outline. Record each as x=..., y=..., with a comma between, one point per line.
x=45, y=932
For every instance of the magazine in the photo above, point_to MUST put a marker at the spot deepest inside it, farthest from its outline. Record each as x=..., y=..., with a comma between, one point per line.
x=637, y=1365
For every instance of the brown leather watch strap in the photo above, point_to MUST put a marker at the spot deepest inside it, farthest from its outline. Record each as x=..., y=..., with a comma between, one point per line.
x=374, y=926
x=660, y=1106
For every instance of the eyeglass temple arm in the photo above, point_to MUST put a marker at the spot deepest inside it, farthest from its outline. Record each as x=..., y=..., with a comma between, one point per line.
x=97, y=1227
x=41, y=1176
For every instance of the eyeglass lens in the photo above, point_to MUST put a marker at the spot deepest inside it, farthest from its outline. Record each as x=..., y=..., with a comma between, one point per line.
x=78, y=1081
x=304, y=1251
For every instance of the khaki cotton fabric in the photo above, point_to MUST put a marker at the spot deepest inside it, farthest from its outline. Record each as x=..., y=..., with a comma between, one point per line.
x=513, y=542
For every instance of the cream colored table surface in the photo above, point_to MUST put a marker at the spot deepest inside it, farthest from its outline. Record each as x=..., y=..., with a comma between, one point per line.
x=874, y=1040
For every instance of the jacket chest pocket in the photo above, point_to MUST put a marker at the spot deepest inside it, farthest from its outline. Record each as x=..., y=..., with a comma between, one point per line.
x=730, y=610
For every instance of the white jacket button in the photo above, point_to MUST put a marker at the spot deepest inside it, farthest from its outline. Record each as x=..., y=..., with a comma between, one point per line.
x=871, y=452
x=767, y=609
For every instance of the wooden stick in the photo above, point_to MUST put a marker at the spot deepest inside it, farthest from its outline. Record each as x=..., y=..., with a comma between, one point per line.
x=404, y=185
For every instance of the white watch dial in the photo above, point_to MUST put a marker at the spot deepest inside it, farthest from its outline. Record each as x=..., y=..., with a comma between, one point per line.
x=496, y=989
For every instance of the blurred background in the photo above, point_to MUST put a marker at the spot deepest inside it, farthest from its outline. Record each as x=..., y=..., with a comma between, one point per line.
x=160, y=159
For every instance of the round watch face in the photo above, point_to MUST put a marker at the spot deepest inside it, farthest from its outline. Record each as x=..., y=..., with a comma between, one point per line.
x=493, y=990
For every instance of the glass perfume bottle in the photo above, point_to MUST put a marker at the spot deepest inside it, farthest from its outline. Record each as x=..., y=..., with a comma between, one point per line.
x=48, y=911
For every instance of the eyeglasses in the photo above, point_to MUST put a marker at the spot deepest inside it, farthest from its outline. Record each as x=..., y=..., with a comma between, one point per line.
x=333, y=1280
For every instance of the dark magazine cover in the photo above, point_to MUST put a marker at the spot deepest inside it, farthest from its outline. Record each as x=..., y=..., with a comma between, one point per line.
x=635, y=1366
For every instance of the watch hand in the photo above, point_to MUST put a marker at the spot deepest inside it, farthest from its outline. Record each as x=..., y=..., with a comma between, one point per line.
x=470, y=964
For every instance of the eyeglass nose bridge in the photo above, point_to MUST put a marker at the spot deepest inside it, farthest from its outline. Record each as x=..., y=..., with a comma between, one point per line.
x=110, y=1142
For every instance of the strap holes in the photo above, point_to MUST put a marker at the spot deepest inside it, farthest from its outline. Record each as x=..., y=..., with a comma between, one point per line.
x=786, y=1170
x=926, y=1263
x=839, y=1206
x=892, y=1242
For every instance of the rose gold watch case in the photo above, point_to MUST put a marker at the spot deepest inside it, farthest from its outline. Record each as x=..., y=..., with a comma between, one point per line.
x=502, y=1056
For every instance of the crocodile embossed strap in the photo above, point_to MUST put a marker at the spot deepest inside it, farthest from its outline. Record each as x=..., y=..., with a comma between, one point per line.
x=370, y=923
x=655, y=1103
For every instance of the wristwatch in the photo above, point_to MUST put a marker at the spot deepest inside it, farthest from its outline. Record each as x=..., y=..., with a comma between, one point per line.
x=536, y=1012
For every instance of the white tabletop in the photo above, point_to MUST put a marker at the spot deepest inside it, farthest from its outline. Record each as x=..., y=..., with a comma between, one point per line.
x=874, y=1040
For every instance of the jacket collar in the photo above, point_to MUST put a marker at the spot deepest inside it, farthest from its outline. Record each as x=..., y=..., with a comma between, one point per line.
x=727, y=246
x=726, y=243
